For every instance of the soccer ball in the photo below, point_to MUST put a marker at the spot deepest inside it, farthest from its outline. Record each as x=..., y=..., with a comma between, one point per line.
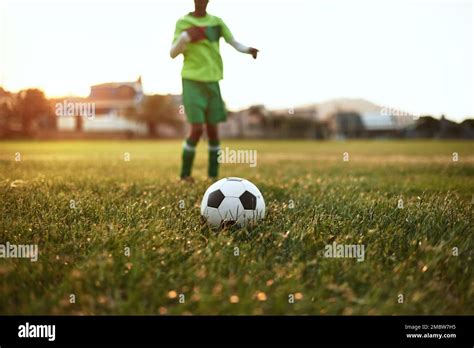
x=232, y=201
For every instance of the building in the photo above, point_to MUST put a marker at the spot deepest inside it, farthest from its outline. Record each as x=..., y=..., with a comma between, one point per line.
x=377, y=124
x=257, y=122
x=370, y=124
x=247, y=123
x=344, y=124
x=110, y=103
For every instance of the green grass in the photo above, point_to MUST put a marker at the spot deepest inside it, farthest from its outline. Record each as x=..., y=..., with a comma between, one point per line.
x=136, y=204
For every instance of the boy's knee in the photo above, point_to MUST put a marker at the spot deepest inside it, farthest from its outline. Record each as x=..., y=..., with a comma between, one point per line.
x=212, y=131
x=196, y=131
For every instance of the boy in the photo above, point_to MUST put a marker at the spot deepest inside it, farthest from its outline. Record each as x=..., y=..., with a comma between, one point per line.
x=197, y=37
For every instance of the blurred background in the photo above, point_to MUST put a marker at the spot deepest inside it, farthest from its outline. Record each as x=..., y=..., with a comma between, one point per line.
x=327, y=69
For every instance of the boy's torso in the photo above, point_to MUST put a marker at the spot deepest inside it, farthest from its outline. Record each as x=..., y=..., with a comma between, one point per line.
x=202, y=59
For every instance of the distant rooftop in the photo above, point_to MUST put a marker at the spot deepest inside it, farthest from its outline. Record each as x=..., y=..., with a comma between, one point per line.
x=117, y=91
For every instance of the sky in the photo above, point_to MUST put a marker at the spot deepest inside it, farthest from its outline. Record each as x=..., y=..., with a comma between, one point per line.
x=415, y=55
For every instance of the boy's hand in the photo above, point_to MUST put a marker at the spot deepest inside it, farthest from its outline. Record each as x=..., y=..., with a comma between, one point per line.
x=196, y=33
x=253, y=52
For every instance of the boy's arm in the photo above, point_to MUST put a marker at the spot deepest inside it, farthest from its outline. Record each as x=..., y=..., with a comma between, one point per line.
x=180, y=44
x=242, y=48
x=192, y=34
x=229, y=38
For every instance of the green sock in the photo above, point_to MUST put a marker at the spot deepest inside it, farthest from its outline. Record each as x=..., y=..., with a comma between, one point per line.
x=189, y=151
x=213, y=168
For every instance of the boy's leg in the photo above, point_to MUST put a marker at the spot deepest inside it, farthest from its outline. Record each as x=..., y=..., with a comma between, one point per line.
x=195, y=104
x=215, y=114
x=189, y=150
x=212, y=134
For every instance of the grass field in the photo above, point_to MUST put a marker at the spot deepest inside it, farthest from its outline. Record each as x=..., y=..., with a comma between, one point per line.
x=313, y=197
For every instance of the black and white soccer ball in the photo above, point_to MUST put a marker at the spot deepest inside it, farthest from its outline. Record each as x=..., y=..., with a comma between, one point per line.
x=232, y=201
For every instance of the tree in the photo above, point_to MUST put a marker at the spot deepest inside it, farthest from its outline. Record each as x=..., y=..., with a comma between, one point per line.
x=6, y=112
x=154, y=110
x=28, y=106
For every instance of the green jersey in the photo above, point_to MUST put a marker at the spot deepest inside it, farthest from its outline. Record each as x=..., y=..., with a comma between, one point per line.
x=202, y=59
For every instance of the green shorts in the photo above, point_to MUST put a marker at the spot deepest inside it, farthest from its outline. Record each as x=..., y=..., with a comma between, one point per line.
x=203, y=102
